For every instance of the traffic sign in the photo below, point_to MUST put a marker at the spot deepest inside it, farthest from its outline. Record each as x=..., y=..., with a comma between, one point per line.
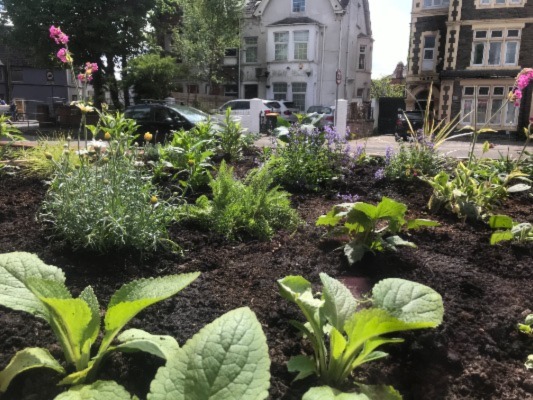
x=338, y=77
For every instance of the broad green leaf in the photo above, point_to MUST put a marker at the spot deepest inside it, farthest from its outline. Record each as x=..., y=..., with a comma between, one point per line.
x=486, y=130
x=226, y=360
x=419, y=223
x=355, y=251
x=337, y=344
x=368, y=354
x=15, y=269
x=529, y=362
x=339, y=303
x=99, y=390
x=134, y=297
x=519, y=187
x=29, y=358
x=70, y=320
x=304, y=365
x=292, y=287
x=93, y=328
x=500, y=222
x=330, y=219
x=328, y=393
x=396, y=241
x=358, y=219
x=370, y=210
x=409, y=301
x=381, y=392
x=388, y=208
x=162, y=346
x=501, y=236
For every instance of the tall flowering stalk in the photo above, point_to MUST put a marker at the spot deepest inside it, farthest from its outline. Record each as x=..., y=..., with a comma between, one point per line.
x=81, y=80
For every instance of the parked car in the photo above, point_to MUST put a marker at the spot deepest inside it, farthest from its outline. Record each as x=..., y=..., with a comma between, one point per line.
x=239, y=105
x=329, y=114
x=286, y=109
x=402, y=129
x=161, y=119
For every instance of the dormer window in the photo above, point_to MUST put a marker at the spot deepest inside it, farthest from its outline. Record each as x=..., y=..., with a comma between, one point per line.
x=298, y=5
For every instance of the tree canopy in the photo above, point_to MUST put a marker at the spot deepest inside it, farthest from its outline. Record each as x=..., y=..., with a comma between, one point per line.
x=383, y=87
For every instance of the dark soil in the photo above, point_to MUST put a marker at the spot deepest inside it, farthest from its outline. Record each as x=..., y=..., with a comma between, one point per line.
x=476, y=353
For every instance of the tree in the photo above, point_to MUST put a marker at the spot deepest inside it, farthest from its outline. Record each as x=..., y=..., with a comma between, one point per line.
x=99, y=30
x=208, y=28
x=152, y=76
x=384, y=88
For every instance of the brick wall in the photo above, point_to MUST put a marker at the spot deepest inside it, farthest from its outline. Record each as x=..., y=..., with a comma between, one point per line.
x=428, y=24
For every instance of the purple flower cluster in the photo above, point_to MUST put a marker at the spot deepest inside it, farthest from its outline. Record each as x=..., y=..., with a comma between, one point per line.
x=389, y=153
x=379, y=174
x=348, y=198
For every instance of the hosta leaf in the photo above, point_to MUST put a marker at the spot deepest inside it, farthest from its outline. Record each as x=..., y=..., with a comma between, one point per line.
x=304, y=365
x=26, y=359
x=500, y=222
x=328, y=393
x=339, y=303
x=162, y=346
x=226, y=360
x=381, y=392
x=409, y=301
x=15, y=269
x=134, y=297
x=99, y=390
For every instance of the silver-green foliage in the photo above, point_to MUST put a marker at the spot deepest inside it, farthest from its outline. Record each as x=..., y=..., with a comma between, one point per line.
x=527, y=328
x=105, y=204
x=253, y=208
x=370, y=227
x=227, y=360
x=27, y=284
x=345, y=335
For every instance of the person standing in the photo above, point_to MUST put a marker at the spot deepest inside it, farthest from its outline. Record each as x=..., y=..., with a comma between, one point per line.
x=13, y=109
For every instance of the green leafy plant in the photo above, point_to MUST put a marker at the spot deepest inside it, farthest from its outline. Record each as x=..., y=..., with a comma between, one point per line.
x=370, y=228
x=307, y=159
x=27, y=284
x=8, y=130
x=470, y=196
x=230, y=137
x=99, y=390
x=344, y=333
x=413, y=161
x=507, y=229
x=253, y=208
x=107, y=203
x=227, y=360
x=527, y=328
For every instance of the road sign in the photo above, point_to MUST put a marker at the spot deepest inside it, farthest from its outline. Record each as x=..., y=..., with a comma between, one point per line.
x=49, y=75
x=338, y=77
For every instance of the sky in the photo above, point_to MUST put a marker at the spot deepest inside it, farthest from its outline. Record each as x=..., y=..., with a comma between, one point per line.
x=390, y=30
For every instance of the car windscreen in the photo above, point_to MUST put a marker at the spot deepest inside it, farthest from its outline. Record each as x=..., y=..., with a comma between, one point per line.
x=319, y=110
x=191, y=114
x=138, y=113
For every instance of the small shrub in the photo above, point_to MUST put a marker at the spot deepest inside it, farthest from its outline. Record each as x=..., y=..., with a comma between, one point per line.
x=250, y=208
x=412, y=161
x=36, y=160
x=230, y=138
x=106, y=204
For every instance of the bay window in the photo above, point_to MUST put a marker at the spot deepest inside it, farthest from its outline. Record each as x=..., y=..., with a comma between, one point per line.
x=487, y=105
x=496, y=47
x=281, y=46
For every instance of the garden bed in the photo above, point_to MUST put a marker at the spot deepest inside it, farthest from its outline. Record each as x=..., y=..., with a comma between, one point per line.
x=476, y=353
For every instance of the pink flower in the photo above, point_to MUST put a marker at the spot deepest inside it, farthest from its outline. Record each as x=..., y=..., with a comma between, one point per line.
x=62, y=55
x=81, y=77
x=93, y=67
x=57, y=35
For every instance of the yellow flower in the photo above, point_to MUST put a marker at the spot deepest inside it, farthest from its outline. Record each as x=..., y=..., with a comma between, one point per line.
x=148, y=136
x=107, y=136
x=153, y=199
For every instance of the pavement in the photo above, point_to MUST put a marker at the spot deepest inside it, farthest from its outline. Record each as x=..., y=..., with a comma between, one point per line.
x=501, y=145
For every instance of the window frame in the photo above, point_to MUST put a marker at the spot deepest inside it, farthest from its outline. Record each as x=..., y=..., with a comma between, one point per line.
x=298, y=6
x=250, y=42
x=297, y=50
x=281, y=44
x=490, y=95
x=435, y=4
x=488, y=39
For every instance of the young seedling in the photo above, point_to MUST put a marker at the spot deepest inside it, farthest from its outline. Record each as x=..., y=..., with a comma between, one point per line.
x=507, y=229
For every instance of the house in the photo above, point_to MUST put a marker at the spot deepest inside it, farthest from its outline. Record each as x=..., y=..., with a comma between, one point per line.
x=310, y=52
x=470, y=52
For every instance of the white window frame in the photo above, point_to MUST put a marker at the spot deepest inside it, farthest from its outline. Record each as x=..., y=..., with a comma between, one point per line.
x=297, y=94
x=499, y=3
x=250, y=44
x=487, y=39
x=279, y=90
x=298, y=5
x=494, y=96
x=428, y=63
x=300, y=46
x=281, y=44
x=361, y=64
x=435, y=3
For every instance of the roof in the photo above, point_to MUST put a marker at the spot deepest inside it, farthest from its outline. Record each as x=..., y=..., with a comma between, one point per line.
x=296, y=21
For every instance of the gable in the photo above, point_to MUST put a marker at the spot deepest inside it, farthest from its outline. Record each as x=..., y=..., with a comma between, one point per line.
x=259, y=6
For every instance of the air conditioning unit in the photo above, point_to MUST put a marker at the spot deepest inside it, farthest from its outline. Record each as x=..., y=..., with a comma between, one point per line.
x=260, y=72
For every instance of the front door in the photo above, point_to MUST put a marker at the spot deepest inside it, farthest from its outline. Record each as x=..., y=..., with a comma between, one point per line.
x=251, y=91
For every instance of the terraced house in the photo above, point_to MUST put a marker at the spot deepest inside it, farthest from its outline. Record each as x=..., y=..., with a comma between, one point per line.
x=292, y=50
x=471, y=50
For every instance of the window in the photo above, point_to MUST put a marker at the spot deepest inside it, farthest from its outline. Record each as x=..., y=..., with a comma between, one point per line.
x=360, y=92
x=298, y=94
x=488, y=102
x=230, y=52
x=428, y=53
x=362, y=57
x=280, y=90
x=298, y=5
x=231, y=90
x=499, y=3
x=496, y=47
x=300, y=44
x=281, y=45
x=250, y=46
x=436, y=3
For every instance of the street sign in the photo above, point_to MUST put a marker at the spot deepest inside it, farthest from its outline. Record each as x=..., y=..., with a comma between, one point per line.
x=338, y=77
x=49, y=75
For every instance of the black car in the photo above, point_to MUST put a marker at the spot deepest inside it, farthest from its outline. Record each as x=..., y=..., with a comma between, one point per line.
x=161, y=119
x=403, y=130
